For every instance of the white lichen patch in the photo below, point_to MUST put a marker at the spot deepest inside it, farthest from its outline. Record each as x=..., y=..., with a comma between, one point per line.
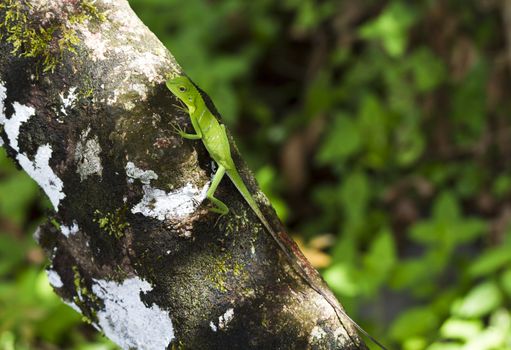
x=149, y=65
x=68, y=102
x=88, y=161
x=39, y=169
x=12, y=126
x=161, y=205
x=260, y=197
x=3, y=96
x=323, y=307
x=340, y=334
x=70, y=230
x=117, y=92
x=43, y=174
x=122, y=15
x=127, y=320
x=135, y=173
x=316, y=334
x=226, y=318
x=140, y=89
x=223, y=320
x=73, y=306
x=54, y=279
x=96, y=43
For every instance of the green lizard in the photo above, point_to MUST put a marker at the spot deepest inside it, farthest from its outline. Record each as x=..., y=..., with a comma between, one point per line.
x=214, y=137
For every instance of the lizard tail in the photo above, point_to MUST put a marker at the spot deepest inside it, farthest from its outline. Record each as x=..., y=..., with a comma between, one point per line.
x=242, y=188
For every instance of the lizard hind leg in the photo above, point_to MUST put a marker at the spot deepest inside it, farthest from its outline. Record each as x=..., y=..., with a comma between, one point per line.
x=220, y=206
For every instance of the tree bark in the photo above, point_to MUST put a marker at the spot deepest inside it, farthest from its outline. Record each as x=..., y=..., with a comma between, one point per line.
x=132, y=246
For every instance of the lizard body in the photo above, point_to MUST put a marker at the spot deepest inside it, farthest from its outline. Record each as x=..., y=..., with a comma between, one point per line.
x=214, y=137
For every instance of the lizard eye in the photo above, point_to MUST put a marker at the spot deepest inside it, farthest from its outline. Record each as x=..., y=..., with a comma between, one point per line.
x=182, y=89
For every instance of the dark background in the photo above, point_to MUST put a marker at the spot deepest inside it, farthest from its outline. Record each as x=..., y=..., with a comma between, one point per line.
x=380, y=130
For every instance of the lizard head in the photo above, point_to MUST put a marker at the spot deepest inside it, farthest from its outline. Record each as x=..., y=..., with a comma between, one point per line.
x=184, y=89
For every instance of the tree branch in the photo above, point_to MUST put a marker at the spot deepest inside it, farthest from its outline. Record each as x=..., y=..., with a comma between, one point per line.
x=132, y=244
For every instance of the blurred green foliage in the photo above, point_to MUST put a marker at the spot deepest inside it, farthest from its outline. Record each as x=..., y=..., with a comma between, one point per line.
x=382, y=124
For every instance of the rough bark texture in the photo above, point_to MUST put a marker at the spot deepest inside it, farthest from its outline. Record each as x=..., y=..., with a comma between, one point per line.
x=132, y=245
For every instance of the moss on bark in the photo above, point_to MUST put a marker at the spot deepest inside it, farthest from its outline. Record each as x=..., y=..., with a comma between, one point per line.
x=45, y=39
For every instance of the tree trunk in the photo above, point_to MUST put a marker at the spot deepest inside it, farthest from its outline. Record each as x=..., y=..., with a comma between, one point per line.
x=132, y=246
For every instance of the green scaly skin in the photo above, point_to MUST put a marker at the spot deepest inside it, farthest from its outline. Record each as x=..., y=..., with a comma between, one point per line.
x=214, y=137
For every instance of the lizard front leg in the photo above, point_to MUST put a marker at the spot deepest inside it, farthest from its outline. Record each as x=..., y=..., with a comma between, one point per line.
x=185, y=135
x=220, y=206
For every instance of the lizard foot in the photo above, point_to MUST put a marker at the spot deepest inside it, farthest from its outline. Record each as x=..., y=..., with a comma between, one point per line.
x=178, y=129
x=181, y=107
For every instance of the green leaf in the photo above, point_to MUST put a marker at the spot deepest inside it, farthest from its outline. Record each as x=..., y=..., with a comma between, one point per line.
x=354, y=196
x=480, y=301
x=455, y=328
x=319, y=97
x=502, y=186
x=428, y=70
x=447, y=227
x=391, y=28
x=381, y=258
x=445, y=346
x=470, y=180
x=414, y=322
x=373, y=126
x=505, y=281
x=490, y=261
x=341, y=141
x=469, y=106
x=427, y=232
x=490, y=339
x=446, y=208
x=410, y=145
x=408, y=272
x=467, y=230
x=310, y=13
x=7, y=341
x=415, y=343
x=342, y=279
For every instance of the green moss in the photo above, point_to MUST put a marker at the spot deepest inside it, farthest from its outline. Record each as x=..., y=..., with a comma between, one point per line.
x=265, y=322
x=86, y=93
x=223, y=268
x=219, y=275
x=178, y=346
x=47, y=43
x=55, y=223
x=235, y=222
x=112, y=223
x=90, y=10
x=85, y=299
x=237, y=269
x=86, y=88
